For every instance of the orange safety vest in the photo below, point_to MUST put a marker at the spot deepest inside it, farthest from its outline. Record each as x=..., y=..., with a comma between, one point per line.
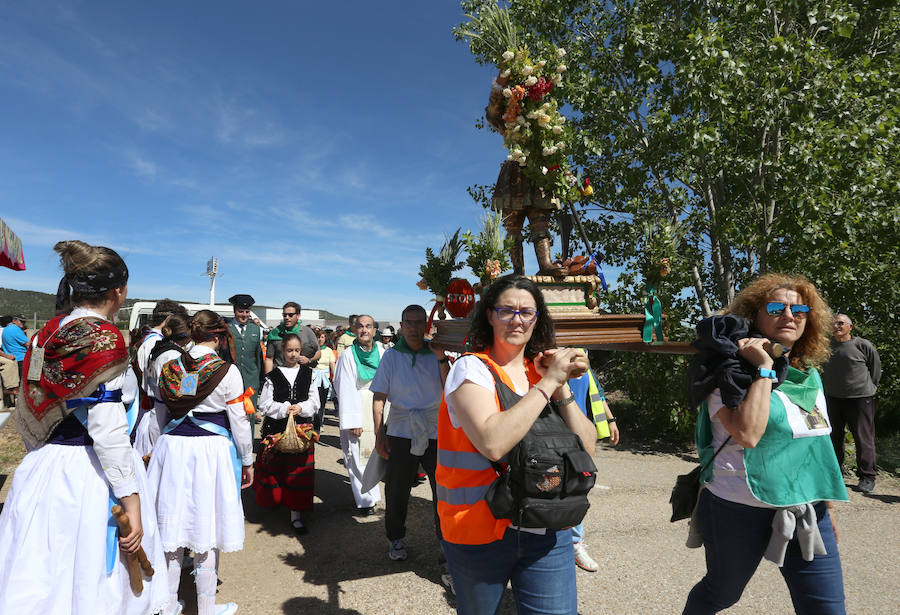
x=463, y=476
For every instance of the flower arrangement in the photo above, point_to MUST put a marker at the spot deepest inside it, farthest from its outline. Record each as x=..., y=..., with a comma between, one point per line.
x=533, y=129
x=661, y=241
x=438, y=269
x=487, y=251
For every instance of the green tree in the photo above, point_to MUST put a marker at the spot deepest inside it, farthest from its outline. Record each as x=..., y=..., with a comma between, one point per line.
x=768, y=130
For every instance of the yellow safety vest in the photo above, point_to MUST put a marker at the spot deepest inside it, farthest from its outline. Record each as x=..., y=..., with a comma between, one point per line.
x=598, y=408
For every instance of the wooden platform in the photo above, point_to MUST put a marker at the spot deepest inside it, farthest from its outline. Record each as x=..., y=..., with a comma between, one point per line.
x=591, y=331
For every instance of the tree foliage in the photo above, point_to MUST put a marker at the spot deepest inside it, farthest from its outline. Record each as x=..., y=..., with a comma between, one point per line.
x=766, y=131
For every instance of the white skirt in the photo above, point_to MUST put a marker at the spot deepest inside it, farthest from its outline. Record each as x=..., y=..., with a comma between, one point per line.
x=53, y=540
x=198, y=502
x=142, y=433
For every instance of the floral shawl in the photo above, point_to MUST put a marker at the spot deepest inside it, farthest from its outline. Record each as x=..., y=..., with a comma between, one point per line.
x=78, y=358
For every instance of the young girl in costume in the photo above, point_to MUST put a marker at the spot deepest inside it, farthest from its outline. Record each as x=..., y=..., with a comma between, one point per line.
x=176, y=338
x=57, y=553
x=202, y=460
x=287, y=478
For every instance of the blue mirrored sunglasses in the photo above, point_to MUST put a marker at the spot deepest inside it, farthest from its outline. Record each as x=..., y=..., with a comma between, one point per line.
x=776, y=308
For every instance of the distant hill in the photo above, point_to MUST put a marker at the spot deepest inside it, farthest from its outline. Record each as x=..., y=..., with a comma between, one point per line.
x=29, y=302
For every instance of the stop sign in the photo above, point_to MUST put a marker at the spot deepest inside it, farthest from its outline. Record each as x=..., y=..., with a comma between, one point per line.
x=460, y=298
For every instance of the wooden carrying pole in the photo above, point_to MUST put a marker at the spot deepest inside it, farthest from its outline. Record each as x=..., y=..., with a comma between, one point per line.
x=135, y=561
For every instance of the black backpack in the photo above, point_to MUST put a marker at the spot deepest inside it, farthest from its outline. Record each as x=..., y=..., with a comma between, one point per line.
x=548, y=473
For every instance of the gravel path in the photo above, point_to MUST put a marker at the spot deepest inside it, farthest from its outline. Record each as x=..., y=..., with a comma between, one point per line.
x=341, y=566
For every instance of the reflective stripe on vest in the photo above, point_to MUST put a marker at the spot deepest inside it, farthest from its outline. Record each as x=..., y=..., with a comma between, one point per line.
x=461, y=496
x=598, y=407
x=463, y=460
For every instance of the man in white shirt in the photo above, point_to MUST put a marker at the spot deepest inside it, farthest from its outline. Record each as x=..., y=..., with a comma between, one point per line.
x=411, y=377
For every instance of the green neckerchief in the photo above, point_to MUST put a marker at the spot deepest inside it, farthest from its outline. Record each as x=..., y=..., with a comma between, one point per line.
x=402, y=346
x=276, y=334
x=323, y=346
x=801, y=388
x=366, y=361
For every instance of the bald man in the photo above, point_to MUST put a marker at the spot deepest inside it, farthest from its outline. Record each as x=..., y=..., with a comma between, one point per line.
x=850, y=379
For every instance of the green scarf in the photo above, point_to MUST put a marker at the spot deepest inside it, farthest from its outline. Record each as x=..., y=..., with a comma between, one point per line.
x=801, y=388
x=276, y=334
x=366, y=361
x=402, y=346
x=350, y=333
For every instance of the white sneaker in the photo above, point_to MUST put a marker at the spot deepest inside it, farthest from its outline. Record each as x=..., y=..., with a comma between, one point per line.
x=583, y=559
x=398, y=550
x=226, y=609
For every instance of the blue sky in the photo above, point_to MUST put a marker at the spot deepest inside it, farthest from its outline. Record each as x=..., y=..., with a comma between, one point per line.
x=315, y=148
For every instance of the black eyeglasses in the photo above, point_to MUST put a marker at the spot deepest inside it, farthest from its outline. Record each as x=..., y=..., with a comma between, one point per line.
x=285, y=314
x=777, y=308
x=506, y=314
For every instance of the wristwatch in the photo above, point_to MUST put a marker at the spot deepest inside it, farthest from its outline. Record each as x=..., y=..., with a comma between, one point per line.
x=767, y=373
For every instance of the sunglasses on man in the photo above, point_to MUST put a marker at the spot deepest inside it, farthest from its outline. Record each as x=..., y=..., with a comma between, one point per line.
x=777, y=308
x=286, y=314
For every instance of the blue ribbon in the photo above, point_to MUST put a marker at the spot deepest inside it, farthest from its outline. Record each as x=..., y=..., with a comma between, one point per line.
x=101, y=395
x=602, y=277
x=219, y=431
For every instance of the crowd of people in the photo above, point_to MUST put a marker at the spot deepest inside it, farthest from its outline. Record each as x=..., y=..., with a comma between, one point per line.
x=165, y=429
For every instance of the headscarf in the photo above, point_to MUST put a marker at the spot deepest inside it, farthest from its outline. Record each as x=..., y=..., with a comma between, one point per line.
x=92, y=283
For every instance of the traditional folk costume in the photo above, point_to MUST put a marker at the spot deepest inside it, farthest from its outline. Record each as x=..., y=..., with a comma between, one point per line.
x=352, y=377
x=57, y=553
x=286, y=478
x=143, y=431
x=196, y=469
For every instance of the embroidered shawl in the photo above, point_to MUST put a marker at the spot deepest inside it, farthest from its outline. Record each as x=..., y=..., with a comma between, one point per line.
x=209, y=369
x=78, y=358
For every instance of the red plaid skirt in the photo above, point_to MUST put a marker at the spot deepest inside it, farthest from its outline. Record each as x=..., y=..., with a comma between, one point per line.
x=285, y=478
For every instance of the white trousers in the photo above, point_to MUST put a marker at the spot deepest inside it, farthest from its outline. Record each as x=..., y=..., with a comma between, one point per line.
x=355, y=467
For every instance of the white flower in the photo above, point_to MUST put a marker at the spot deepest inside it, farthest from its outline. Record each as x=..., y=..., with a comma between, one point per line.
x=504, y=74
x=531, y=81
x=556, y=80
x=544, y=169
x=521, y=120
x=521, y=162
x=543, y=120
x=545, y=106
x=532, y=115
x=561, y=68
x=510, y=157
x=549, y=151
x=560, y=146
x=527, y=70
x=560, y=52
x=557, y=130
x=541, y=64
x=562, y=119
x=508, y=55
x=507, y=92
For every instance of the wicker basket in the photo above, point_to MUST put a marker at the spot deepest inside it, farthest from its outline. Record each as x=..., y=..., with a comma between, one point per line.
x=290, y=441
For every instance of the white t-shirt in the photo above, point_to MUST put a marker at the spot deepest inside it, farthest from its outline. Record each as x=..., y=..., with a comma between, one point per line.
x=409, y=389
x=469, y=368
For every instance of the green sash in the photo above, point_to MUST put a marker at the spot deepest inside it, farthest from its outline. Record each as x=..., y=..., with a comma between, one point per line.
x=783, y=470
x=366, y=361
x=403, y=347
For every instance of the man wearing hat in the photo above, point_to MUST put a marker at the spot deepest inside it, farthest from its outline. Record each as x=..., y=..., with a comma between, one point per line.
x=247, y=349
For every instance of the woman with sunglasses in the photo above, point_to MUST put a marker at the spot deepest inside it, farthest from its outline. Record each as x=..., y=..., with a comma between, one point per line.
x=512, y=334
x=777, y=472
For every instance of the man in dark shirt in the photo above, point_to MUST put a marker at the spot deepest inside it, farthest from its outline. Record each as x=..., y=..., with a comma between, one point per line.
x=850, y=379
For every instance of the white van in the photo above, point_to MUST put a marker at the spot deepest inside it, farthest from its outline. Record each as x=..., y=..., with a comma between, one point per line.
x=142, y=311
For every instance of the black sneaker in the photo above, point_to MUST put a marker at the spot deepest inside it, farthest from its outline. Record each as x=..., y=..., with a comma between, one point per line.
x=866, y=484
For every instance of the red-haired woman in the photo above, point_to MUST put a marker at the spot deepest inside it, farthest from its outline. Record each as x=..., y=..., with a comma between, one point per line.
x=776, y=470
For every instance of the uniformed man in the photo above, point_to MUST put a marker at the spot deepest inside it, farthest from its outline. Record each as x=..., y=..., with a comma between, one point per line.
x=247, y=349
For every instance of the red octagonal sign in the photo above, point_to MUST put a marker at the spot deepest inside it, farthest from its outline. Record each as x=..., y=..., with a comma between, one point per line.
x=460, y=298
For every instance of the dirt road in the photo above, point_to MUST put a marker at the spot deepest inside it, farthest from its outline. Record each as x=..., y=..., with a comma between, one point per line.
x=341, y=567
